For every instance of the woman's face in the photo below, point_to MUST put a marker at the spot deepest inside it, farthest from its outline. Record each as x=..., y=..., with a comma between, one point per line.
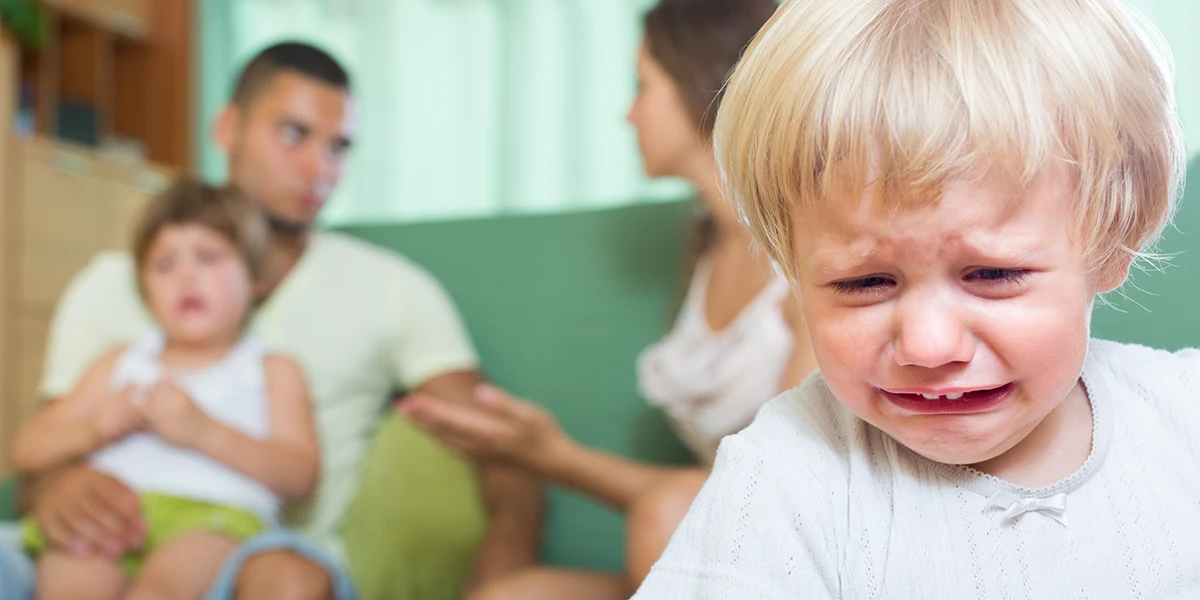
x=668, y=136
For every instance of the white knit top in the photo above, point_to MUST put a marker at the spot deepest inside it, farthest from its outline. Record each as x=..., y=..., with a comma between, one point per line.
x=712, y=383
x=811, y=502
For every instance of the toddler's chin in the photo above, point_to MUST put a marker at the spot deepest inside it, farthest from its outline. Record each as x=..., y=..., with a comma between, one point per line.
x=980, y=451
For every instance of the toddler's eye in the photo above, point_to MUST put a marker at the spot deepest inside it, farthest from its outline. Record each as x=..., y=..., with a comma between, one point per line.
x=208, y=257
x=866, y=284
x=164, y=264
x=997, y=276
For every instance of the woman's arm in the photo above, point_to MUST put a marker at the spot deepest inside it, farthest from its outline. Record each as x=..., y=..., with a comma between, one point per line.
x=802, y=361
x=287, y=461
x=71, y=427
x=612, y=479
x=498, y=427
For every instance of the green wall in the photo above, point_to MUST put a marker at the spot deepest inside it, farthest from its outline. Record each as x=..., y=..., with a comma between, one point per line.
x=1161, y=307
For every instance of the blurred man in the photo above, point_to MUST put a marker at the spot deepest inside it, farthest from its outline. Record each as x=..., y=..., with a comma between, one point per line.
x=362, y=322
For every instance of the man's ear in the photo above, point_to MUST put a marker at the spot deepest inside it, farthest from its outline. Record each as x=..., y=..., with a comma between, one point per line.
x=1113, y=275
x=224, y=130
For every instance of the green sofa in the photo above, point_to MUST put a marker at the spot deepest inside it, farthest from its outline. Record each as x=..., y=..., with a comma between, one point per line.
x=559, y=306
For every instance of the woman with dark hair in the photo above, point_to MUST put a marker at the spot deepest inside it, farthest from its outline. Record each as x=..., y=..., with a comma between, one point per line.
x=738, y=340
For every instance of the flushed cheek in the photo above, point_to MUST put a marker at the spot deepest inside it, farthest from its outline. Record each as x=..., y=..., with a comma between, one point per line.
x=849, y=345
x=848, y=340
x=1040, y=336
x=162, y=298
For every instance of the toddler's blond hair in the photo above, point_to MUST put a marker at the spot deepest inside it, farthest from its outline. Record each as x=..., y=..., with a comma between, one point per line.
x=908, y=94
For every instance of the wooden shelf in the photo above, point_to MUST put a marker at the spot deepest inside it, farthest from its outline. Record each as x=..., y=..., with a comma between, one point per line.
x=116, y=72
x=63, y=203
x=10, y=411
x=129, y=18
x=111, y=70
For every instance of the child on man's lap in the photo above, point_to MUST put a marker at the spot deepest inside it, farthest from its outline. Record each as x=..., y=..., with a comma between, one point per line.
x=204, y=423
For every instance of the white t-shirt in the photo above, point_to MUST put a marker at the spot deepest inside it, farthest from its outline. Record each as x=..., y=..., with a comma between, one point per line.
x=361, y=321
x=811, y=502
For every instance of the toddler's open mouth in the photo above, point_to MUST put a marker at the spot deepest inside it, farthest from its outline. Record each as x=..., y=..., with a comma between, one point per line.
x=949, y=401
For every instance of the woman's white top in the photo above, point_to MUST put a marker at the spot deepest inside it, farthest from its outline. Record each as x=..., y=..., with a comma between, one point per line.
x=711, y=384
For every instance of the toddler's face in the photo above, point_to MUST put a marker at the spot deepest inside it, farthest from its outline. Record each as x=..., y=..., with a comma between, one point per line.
x=955, y=328
x=197, y=284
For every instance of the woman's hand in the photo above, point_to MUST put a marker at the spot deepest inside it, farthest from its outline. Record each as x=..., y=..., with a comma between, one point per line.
x=172, y=414
x=495, y=427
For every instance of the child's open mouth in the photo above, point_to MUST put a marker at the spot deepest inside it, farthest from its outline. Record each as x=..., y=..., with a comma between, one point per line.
x=191, y=304
x=957, y=402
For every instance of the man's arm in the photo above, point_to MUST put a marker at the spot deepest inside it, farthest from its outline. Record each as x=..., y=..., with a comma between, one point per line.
x=514, y=497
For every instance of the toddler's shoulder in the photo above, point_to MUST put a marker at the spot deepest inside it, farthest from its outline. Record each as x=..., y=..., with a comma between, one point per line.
x=1160, y=381
x=1143, y=366
x=807, y=426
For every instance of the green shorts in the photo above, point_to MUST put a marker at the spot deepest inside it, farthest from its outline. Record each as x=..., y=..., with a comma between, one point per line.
x=167, y=517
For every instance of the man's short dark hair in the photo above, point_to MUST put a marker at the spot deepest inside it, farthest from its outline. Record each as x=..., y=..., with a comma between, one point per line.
x=301, y=58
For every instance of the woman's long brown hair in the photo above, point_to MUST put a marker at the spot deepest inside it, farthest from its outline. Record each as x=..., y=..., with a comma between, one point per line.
x=698, y=43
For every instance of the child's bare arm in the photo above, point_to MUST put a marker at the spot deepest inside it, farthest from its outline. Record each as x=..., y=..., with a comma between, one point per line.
x=73, y=426
x=288, y=460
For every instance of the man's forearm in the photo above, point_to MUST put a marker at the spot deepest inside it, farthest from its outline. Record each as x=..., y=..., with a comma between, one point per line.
x=516, y=502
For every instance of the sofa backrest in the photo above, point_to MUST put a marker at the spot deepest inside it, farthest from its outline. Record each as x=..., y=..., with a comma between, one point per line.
x=559, y=307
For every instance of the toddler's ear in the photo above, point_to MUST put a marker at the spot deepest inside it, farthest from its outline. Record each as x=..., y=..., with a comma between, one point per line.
x=1113, y=275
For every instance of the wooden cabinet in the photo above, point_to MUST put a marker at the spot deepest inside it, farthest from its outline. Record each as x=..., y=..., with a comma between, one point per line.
x=127, y=17
x=75, y=203
x=58, y=220
x=10, y=413
x=66, y=204
x=117, y=74
x=30, y=331
x=125, y=67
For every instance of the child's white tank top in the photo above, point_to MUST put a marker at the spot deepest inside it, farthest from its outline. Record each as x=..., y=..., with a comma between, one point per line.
x=711, y=384
x=232, y=391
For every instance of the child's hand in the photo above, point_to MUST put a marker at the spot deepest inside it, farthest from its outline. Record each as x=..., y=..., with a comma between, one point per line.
x=116, y=416
x=172, y=414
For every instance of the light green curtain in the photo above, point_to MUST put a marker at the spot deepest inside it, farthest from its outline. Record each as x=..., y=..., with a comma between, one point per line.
x=1179, y=20
x=468, y=107
x=482, y=107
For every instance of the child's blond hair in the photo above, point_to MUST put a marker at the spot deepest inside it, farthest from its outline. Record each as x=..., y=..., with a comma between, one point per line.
x=908, y=94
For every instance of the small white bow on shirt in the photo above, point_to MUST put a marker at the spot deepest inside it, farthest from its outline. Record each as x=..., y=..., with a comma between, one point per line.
x=1014, y=506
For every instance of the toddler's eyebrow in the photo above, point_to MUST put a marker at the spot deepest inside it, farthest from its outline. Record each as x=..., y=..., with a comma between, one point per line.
x=1005, y=250
x=843, y=261
x=990, y=251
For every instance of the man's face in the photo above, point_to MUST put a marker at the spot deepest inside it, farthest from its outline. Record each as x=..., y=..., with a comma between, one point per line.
x=287, y=146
